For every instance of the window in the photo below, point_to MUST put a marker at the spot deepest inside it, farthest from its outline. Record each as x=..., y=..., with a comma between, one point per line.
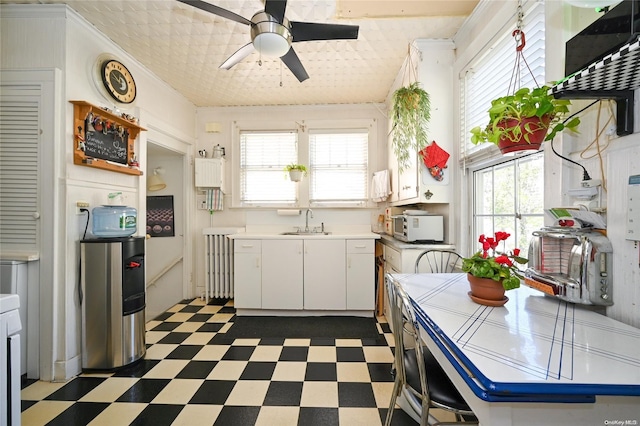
x=509, y=197
x=263, y=156
x=338, y=166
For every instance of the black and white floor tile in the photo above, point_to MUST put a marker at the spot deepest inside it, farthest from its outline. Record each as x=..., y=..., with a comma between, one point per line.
x=193, y=375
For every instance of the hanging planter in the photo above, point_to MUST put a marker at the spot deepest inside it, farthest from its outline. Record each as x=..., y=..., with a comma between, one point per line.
x=411, y=113
x=528, y=117
x=526, y=134
x=296, y=171
x=524, y=120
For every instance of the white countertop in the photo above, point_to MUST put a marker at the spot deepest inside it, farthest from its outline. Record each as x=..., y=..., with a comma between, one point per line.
x=19, y=256
x=534, y=345
x=401, y=245
x=278, y=236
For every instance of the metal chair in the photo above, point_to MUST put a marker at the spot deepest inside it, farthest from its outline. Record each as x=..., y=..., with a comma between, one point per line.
x=440, y=261
x=424, y=384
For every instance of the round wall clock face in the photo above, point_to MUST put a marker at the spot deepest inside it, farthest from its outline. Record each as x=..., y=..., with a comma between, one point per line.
x=118, y=81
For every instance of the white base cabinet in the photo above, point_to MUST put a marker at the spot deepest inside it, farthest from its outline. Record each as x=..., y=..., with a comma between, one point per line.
x=319, y=275
x=360, y=274
x=282, y=284
x=247, y=270
x=324, y=274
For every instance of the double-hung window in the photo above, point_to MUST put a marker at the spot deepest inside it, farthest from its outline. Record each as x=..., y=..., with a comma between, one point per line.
x=263, y=157
x=507, y=194
x=338, y=161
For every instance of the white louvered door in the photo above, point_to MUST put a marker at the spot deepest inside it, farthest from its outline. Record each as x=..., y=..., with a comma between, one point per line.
x=19, y=165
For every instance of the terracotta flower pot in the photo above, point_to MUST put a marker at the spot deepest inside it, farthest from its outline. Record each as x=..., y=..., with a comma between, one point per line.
x=533, y=130
x=486, y=291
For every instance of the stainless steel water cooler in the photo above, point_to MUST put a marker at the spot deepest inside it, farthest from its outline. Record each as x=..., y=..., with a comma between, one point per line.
x=113, y=302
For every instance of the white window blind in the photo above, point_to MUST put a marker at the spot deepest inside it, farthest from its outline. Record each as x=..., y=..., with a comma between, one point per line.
x=263, y=156
x=338, y=165
x=488, y=78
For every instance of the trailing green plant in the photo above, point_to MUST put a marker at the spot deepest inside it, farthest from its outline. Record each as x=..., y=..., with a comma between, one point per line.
x=411, y=112
x=293, y=166
x=525, y=103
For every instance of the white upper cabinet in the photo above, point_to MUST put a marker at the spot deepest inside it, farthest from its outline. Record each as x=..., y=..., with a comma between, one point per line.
x=416, y=183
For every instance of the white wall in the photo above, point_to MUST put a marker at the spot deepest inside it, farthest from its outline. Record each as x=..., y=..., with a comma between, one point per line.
x=54, y=36
x=166, y=290
x=619, y=160
x=239, y=217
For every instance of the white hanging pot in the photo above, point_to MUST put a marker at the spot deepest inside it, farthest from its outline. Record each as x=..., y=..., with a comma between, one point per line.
x=295, y=175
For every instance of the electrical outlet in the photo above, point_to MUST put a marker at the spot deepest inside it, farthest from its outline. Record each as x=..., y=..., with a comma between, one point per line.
x=591, y=183
x=201, y=201
x=81, y=205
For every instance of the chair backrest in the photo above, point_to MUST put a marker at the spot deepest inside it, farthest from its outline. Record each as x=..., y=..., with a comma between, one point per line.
x=405, y=323
x=439, y=261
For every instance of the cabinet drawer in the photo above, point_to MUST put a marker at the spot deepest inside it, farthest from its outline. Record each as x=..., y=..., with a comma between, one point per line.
x=247, y=246
x=393, y=258
x=360, y=246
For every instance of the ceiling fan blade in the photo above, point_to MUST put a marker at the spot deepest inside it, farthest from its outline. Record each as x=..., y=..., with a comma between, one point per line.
x=240, y=54
x=276, y=8
x=292, y=61
x=216, y=10
x=308, y=31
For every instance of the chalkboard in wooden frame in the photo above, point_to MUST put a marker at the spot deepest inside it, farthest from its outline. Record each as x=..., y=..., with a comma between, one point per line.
x=81, y=111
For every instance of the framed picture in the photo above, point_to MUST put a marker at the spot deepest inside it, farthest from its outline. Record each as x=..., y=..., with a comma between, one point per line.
x=160, y=216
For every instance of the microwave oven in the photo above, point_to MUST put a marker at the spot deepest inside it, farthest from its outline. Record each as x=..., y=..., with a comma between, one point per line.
x=418, y=228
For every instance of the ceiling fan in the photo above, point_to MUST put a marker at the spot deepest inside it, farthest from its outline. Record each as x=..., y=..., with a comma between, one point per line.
x=272, y=33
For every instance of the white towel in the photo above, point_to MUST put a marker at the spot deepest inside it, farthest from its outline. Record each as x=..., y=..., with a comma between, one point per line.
x=214, y=199
x=380, y=186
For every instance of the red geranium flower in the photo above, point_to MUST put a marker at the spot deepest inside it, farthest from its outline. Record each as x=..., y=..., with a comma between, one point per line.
x=499, y=266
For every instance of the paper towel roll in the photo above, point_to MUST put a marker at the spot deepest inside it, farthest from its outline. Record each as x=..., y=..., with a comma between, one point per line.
x=289, y=212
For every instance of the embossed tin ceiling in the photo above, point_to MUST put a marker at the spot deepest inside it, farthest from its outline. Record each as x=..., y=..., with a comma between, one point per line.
x=184, y=46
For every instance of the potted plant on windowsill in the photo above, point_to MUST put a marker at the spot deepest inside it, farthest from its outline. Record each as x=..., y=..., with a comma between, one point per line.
x=410, y=115
x=296, y=171
x=490, y=275
x=524, y=120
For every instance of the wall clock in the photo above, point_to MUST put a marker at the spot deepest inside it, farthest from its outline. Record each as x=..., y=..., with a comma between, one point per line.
x=118, y=81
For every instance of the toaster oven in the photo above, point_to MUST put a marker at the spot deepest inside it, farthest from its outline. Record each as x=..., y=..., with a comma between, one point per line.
x=574, y=265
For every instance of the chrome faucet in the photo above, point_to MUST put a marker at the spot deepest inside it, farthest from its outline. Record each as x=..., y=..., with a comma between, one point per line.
x=306, y=222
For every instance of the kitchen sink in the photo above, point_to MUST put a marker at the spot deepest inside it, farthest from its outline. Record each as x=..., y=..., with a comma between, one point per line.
x=305, y=233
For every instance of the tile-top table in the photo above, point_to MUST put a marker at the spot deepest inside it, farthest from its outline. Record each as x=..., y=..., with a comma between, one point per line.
x=535, y=360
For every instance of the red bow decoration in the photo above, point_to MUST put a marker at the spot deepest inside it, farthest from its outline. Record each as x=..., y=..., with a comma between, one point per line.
x=435, y=159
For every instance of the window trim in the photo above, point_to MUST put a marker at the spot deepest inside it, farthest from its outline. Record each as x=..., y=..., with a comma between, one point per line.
x=303, y=127
x=470, y=200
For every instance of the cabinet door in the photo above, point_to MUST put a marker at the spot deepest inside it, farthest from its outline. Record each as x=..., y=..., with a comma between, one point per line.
x=247, y=274
x=360, y=274
x=282, y=274
x=408, y=181
x=324, y=274
x=247, y=281
x=360, y=281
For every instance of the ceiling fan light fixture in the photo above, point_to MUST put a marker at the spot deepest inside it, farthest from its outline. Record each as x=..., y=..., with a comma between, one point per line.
x=269, y=37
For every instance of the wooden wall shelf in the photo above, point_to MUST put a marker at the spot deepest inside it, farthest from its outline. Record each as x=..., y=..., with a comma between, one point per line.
x=81, y=109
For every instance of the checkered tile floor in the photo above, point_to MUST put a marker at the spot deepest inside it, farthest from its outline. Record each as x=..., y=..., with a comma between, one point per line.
x=193, y=375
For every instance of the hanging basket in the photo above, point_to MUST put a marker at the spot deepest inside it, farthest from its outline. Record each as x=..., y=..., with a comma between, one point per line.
x=527, y=134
